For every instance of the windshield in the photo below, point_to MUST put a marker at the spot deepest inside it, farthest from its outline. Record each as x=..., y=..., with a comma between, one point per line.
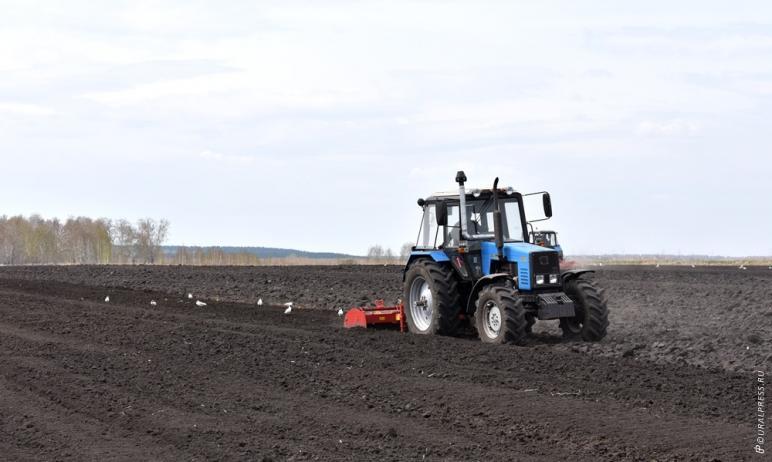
x=480, y=220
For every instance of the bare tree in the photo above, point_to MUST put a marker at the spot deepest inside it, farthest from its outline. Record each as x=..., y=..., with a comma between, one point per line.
x=389, y=255
x=123, y=235
x=148, y=238
x=375, y=252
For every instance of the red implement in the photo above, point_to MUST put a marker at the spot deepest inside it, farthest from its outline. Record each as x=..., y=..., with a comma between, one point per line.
x=380, y=314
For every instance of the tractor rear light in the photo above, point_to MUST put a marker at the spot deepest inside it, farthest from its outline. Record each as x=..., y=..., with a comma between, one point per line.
x=553, y=278
x=539, y=279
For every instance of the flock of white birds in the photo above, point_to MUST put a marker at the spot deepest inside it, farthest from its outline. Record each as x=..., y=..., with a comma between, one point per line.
x=200, y=303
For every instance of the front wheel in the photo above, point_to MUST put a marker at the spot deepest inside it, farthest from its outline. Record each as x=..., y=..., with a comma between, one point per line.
x=500, y=316
x=591, y=311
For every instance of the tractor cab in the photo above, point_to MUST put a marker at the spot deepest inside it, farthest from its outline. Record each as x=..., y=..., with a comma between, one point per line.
x=484, y=232
x=474, y=259
x=547, y=239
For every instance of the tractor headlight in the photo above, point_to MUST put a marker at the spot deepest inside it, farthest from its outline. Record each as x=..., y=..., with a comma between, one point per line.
x=510, y=190
x=553, y=278
x=539, y=279
x=476, y=192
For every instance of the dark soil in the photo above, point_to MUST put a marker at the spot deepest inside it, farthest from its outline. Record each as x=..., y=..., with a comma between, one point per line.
x=82, y=379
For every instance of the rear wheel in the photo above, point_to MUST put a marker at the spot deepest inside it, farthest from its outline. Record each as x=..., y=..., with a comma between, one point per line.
x=500, y=316
x=433, y=303
x=591, y=311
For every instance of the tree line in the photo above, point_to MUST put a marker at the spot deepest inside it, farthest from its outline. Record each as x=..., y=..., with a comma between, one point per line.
x=378, y=254
x=80, y=240
x=83, y=240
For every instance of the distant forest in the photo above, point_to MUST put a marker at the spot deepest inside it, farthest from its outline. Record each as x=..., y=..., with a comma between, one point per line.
x=82, y=240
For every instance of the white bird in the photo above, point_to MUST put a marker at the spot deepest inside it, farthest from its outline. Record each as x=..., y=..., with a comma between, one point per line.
x=692, y=266
x=340, y=312
x=289, y=308
x=259, y=302
x=107, y=299
x=153, y=303
x=657, y=265
x=200, y=303
x=190, y=295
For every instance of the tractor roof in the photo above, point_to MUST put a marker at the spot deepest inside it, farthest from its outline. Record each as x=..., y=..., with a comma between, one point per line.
x=484, y=193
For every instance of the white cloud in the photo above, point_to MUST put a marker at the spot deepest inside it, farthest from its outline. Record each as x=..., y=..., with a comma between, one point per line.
x=674, y=127
x=230, y=159
x=26, y=109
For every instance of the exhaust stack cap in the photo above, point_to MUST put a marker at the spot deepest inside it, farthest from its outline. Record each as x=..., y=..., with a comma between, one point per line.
x=460, y=177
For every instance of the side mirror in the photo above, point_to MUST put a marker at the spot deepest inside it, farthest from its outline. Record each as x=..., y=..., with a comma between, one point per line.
x=442, y=213
x=547, y=203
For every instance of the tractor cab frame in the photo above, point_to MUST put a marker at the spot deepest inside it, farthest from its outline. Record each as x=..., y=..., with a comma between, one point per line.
x=545, y=238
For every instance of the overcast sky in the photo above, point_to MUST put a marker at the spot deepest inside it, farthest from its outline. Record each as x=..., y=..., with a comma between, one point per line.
x=317, y=125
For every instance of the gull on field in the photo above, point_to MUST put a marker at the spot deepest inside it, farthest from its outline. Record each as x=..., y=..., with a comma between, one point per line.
x=259, y=302
x=657, y=265
x=153, y=303
x=289, y=308
x=200, y=303
x=340, y=312
x=190, y=295
x=107, y=299
x=692, y=266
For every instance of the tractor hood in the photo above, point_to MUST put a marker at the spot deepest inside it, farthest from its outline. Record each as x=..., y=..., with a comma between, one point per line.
x=516, y=252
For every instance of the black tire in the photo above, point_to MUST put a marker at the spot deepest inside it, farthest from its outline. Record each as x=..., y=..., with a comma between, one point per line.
x=446, y=301
x=512, y=324
x=591, y=307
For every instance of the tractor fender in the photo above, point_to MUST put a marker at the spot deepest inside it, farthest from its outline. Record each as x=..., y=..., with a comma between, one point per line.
x=482, y=282
x=568, y=275
x=437, y=255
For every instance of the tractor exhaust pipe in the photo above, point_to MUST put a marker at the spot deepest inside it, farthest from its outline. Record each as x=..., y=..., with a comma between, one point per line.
x=461, y=179
x=498, y=235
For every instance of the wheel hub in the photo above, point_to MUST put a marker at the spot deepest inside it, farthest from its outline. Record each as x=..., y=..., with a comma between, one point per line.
x=492, y=320
x=421, y=303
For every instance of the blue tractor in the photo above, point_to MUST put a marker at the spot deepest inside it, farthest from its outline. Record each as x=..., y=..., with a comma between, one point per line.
x=473, y=264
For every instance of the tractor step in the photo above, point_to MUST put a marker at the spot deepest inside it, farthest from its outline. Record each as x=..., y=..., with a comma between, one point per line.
x=378, y=315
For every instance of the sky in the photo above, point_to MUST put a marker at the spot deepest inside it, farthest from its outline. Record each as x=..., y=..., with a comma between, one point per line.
x=316, y=125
